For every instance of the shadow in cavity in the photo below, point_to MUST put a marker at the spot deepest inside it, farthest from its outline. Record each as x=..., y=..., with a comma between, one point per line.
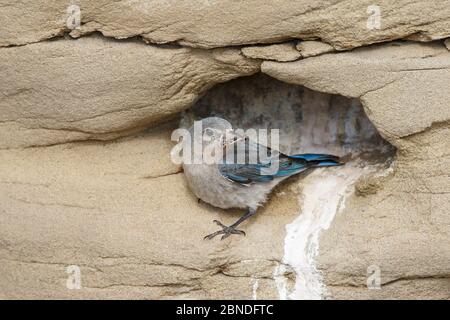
x=309, y=121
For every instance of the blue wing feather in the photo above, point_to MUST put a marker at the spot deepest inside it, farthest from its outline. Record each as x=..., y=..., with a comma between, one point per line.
x=314, y=157
x=246, y=173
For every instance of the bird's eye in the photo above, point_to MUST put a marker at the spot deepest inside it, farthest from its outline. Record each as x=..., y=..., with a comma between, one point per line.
x=209, y=132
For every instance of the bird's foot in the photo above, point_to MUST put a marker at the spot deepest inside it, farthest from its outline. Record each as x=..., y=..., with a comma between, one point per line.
x=226, y=231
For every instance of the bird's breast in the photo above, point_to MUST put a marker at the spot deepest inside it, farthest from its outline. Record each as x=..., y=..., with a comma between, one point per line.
x=209, y=185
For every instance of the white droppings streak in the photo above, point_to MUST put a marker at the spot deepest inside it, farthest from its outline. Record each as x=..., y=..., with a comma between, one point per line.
x=255, y=287
x=280, y=281
x=323, y=196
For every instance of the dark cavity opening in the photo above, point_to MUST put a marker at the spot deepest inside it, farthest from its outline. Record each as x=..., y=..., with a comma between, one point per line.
x=309, y=121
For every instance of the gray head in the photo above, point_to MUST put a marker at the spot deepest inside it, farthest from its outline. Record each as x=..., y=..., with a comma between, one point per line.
x=213, y=128
x=216, y=123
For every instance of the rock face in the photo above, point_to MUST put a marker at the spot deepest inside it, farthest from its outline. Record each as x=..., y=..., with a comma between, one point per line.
x=313, y=48
x=122, y=213
x=86, y=179
x=279, y=52
x=402, y=89
x=376, y=75
x=61, y=91
x=401, y=230
x=213, y=23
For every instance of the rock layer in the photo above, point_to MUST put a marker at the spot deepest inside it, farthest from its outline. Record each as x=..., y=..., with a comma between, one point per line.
x=313, y=48
x=399, y=226
x=398, y=223
x=67, y=90
x=402, y=85
x=282, y=52
x=122, y=213
x=213, y=23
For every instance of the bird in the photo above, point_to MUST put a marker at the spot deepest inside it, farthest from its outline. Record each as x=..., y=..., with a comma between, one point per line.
x=228, y=183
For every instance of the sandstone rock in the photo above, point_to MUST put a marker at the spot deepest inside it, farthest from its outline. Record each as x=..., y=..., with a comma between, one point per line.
x=396, y=220
x=313, y=48
x=279, y=52
x=402, y=85
x=122, y=213
x=402, y=229
x=95, y=88
x=212, y=23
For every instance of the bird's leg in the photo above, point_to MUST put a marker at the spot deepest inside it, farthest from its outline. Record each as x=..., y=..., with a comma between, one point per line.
x=227, y=231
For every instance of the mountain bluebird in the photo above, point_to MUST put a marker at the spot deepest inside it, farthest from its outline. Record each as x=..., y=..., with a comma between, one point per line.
x=241, y=184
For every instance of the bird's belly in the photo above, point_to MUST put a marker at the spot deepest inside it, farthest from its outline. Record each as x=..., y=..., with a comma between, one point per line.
x=210, y=186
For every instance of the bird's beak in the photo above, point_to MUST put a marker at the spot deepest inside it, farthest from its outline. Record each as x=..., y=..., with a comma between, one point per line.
x=230, y=137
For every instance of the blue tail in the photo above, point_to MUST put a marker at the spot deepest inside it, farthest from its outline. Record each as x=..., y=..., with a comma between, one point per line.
x=288, y=166
x=314, y=157
x=317, y=159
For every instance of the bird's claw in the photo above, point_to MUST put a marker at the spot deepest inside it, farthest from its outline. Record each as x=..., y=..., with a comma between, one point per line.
x=226, y=231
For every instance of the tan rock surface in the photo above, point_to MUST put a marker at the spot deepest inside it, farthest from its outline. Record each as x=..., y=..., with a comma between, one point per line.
x=211, y=23
x=95, y=88
x=282, y=52
x=122, y=212
x=313, y=48
x=402, y=85
x=403, y=229
x=399, y=223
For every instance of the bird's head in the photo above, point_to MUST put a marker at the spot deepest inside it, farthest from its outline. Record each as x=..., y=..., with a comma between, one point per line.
x=214, y=130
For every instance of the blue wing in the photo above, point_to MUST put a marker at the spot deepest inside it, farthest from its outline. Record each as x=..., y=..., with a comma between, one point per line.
x=249, y=172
